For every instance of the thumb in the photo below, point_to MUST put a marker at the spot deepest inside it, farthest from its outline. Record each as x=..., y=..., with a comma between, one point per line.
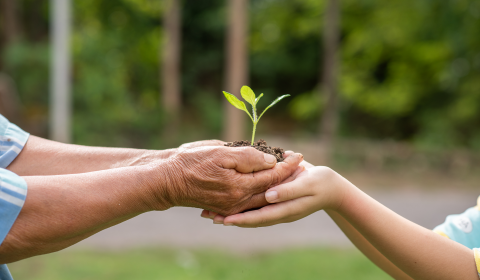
x=266, y=179
x=289, y=190
x=246, y=159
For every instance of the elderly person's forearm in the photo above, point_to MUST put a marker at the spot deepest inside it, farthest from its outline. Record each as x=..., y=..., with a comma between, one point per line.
x=44, y=157
x=62, y=210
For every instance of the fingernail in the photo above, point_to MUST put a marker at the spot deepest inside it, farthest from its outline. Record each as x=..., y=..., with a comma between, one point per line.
x=269, y=158
x=271, y=196
x=217, y=222
x=287, y=153
x=211, y=215
x=228, y=224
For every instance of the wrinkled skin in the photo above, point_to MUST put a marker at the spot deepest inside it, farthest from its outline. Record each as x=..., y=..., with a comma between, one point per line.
x=223, y=179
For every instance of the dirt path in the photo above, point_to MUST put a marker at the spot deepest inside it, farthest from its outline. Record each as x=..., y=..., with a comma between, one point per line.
x=183, y=227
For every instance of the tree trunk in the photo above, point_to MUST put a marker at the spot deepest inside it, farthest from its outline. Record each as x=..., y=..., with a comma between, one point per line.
x=9, y=103
x=171, y=58
x=60, y=100
x=11, y=25
x=329, y=88
x=236, y=67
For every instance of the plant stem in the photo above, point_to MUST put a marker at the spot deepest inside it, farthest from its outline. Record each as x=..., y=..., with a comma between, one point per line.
x=253, y=133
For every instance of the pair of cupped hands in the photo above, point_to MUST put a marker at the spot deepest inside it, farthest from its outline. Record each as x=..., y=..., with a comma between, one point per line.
x=244, y=187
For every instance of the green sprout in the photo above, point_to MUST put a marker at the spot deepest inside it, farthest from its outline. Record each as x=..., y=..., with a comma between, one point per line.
x=249, y=96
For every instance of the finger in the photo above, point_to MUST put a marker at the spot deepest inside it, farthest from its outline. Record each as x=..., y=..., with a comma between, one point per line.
x=263, y=180
x=246, y=159
x=212, y=214
x=203, y=143
x=288, y=191
x=256, y=201
x=269, y=215
x=288, y=153
x=205, y=214
x=218, y=219
x=213, y=142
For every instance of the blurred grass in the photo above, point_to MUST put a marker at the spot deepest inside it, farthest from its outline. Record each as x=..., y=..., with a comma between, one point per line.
x=317, y=263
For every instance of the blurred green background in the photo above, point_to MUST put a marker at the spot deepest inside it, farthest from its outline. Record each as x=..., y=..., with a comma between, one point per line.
x=409, y=69
x=408, y=90
x=148, y=264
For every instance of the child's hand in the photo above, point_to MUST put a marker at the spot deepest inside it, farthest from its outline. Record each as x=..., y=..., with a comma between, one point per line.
x=313, y=189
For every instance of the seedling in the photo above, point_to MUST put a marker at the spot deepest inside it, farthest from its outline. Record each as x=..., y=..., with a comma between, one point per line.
x=249, y=96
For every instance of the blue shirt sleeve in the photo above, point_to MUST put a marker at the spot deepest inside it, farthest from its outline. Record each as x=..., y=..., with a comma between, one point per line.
x=12, y=141
x=464, y=228
x=13, y=189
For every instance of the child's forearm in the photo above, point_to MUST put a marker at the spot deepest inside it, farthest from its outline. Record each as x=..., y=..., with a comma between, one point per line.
x=419, y=252
x=366, y=248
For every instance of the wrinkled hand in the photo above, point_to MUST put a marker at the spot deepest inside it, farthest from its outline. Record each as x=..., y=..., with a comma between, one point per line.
x=223, y=179
x=218, y=219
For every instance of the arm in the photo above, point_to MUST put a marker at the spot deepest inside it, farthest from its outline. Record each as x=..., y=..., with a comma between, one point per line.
x=366, y=248
x=417, y=251
x=362, y=244
x=44, y=157
x=353, y=235
x=61, y=210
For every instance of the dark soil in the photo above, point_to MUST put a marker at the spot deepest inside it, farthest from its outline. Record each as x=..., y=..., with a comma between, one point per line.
x=260, y=145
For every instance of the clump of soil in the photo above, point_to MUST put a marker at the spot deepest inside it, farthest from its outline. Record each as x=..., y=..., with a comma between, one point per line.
x=260, y=145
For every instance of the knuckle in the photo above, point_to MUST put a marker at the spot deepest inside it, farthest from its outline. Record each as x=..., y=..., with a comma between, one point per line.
x=237, y=194
x=276, y=177
x=326, y=171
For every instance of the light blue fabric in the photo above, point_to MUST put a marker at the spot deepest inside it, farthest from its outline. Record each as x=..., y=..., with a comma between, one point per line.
x=13, y=189
x=12, y=140
x=463, y=228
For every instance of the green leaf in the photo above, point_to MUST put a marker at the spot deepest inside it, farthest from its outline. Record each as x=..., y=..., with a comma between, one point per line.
x=248, y=95
x=236, y=102
x=258, y=98
x=278, y=99
x=273, y=103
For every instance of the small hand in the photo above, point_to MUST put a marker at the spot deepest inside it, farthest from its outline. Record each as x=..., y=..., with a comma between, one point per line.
x=224, y=179
x=218, y=219
x=313, y=189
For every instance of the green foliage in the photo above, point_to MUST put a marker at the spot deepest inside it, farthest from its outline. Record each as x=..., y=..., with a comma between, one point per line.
x=409, y=70
x=306, y=106
x=237, y=103
x=115, y=49
x=28, y=64
x=248, y=94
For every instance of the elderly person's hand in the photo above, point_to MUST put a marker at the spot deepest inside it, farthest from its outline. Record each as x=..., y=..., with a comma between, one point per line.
x=202, y=143
x=221, y=179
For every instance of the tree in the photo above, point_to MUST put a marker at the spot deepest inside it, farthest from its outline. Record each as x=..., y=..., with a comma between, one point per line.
x=11, y=25
x=236, y=67
x=329, y=78
x=171, y=90
x=60, y=100
x=9, y=105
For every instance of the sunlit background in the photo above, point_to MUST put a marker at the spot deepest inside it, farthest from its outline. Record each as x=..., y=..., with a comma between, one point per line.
x=385, y=92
